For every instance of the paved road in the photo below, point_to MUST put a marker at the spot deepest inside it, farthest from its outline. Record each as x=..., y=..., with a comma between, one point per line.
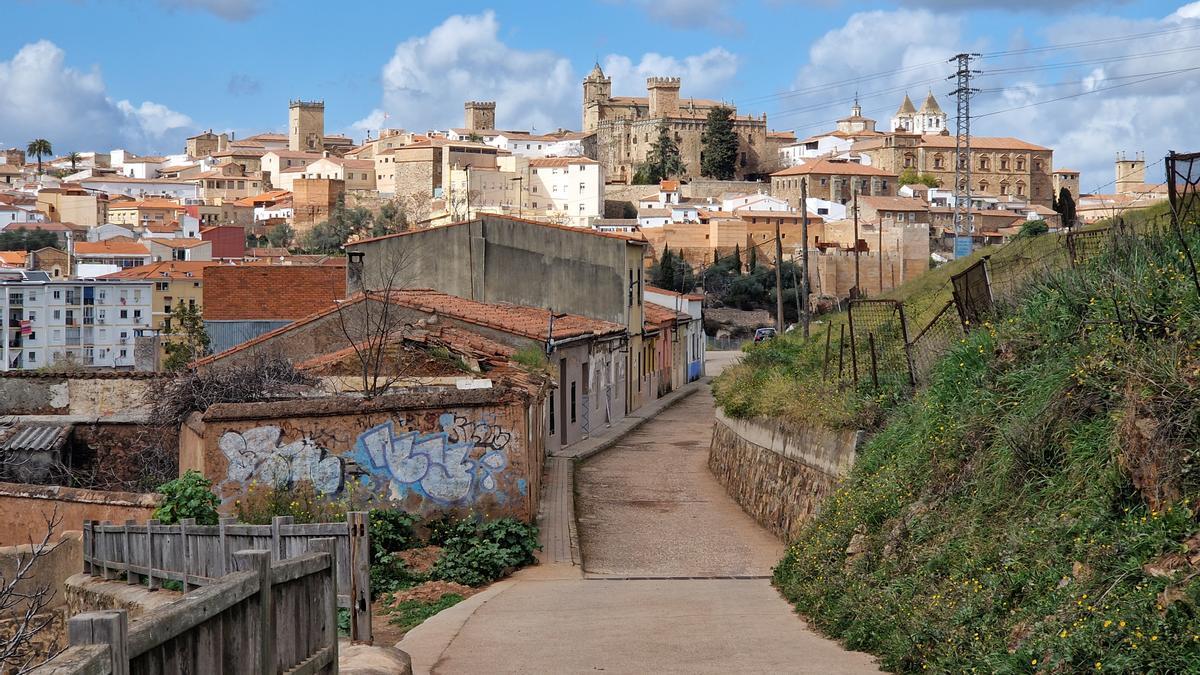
x=648, y=509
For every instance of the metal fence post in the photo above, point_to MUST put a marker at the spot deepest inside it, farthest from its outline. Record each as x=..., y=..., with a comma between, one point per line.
x=874, y=371
x=360, y=577
x=259, y=562
x=853, y=350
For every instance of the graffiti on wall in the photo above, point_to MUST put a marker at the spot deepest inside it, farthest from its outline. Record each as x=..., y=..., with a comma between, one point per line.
x=453, y=466
x=256, y=455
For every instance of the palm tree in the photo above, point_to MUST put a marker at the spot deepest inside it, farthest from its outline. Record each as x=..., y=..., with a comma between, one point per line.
x=39, y=147
x=73, y=158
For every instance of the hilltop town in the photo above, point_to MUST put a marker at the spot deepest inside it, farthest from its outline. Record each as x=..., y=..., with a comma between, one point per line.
x=629, y=396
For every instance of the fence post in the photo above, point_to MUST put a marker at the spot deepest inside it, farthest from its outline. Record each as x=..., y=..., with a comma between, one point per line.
x=825, y=364
x=277, y=537
x=259, y=562
x=222, y=523
x=360, y=577
x=154, y=583
x=110, y=627
x=912, y=370
x=106, y=548
x=874, y=371
x=841, y=354
x=88, y=540
x=184, y=524
x=853, y=347
x=131, y=577
x=328, y=545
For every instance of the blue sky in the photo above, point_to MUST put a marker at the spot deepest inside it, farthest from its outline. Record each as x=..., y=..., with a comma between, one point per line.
x=143, y=74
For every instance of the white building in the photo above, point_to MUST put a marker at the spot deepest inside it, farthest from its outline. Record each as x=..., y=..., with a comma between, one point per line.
x=566, y=187
x=139, y=188
x=91, y=322
x=566, y=144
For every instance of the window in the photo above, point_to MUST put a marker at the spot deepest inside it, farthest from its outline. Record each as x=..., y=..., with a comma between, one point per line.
x=32, y=316
x=161, y=286
x=33, y=357
x=124, y=314
x=57, y=295
x=1004, y=164
x=573, y=406
x=137, y=314
x=123, y=353
x=1020, y=164
x=551, y=399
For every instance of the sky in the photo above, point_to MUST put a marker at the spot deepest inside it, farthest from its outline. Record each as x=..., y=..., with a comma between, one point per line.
x=1088, y=78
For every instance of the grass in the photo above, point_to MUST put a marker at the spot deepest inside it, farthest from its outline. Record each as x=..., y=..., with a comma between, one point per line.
x=786, y=378
x=1034, y=509
x=410, y=613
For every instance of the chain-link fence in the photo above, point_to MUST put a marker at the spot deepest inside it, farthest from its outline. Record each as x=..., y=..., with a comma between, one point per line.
x=879, y=343
x=934, y=340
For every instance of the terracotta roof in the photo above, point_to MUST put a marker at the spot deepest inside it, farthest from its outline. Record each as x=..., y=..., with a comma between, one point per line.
x=834, y=168
x=47, y=227
x=669, y=186
x=172, y=226
x=546, y=162
x=127, y=179
x=169, y=269
x=530, y=322
x=17, y=258
x=295, y=154
x=266, y=252
x=267, y=137
x=654, y=213
x=631, y=237
x=894, y=203
x=115, y=246
x=981, y=143
x=178, y=243
x=146, y=160
x=657, y=315
x=675, y=294
x=262, y=198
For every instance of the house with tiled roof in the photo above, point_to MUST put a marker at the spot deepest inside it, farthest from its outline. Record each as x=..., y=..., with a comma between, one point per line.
x=243, y=302
x=176, y=284
x=119, y=251
x=179, y=248
x=583, y=355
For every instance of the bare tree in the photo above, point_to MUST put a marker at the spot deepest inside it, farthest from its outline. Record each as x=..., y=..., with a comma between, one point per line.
x=372, y=325
x=25, y=604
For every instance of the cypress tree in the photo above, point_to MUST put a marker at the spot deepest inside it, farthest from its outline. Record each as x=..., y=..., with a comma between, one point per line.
x=737, y=258
x=720, y=143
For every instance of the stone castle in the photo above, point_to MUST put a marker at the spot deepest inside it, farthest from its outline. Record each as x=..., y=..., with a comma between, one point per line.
x=626, y=126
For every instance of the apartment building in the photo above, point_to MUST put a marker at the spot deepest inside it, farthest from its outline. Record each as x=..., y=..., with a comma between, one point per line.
x=89, y=323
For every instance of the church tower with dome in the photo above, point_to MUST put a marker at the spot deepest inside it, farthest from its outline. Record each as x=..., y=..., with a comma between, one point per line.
x=928, y=120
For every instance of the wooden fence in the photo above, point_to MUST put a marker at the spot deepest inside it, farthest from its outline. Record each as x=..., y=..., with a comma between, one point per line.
x=198, y=555
x=267, y=617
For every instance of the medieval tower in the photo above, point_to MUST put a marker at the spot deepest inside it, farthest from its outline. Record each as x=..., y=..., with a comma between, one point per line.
x=306, y=126
x=1131, y=173
x=480, y=115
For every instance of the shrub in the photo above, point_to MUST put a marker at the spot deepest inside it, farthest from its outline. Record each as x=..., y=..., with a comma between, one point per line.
x=411, y=613
x=189, y=496
x=392, y=530
x=1032, y=228
x=476, y=554
x=260, y=504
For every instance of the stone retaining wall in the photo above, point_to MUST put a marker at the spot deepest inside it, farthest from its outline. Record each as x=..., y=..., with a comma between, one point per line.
x=779, y=475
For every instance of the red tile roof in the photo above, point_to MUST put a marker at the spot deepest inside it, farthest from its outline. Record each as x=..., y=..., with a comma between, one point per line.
x=657, y=315
x=833, y=168
x=529, y=322
x=117, y=246
x=168, y=269
x=544, y=162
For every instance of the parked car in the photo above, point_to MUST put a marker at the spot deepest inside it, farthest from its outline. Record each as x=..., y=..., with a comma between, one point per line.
x=764, y=334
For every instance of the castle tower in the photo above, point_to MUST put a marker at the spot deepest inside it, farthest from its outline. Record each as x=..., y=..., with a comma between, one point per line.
x=663, y=93
x=1131, y=173
x=597, y=89
x=1066, y=178
x=306, y=126
x=480, y=115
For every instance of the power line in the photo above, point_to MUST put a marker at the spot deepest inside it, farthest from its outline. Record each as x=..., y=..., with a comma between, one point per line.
x=1090, y=91
x=1092, y=42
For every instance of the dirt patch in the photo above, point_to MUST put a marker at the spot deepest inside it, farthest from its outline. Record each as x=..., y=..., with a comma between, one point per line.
x=431, y=591
x=420, y=559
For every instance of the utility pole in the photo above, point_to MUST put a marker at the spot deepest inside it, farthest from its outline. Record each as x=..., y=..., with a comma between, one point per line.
x=857, y=284
x=804, y=255
x=963, y=222
x=778, y=279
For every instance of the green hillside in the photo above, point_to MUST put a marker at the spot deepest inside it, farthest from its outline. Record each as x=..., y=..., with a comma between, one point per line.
x=1035, y=507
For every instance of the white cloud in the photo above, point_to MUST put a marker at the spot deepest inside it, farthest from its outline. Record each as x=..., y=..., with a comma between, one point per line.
x=230, y=10
x=42, y=97
x=705, y=74
x=1119, y=114
x=429, y=77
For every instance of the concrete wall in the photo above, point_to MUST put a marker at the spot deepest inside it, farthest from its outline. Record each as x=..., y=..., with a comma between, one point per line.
x=24, y=509
x=779, y=475
x=85, y=593
x=508, y=260
x=457, y=451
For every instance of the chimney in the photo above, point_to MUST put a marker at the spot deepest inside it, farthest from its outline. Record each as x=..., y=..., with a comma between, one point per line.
x=354, y=272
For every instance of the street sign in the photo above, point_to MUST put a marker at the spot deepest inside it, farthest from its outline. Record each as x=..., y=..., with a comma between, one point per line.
x=962, y=245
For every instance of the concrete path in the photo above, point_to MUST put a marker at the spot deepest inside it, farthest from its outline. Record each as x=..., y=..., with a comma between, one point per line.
x=674, y=578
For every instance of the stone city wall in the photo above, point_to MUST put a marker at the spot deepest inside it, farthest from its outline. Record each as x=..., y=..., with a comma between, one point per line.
x=90, y=395
x=778, y=474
